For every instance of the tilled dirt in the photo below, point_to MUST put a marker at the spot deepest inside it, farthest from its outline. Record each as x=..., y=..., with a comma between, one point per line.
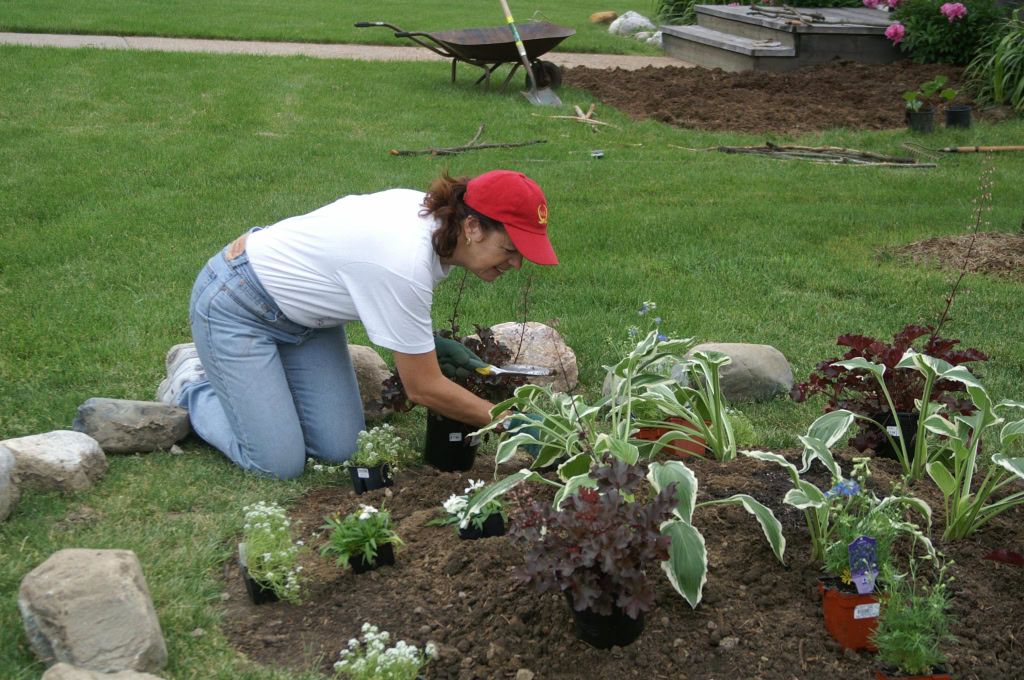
x=758, y=618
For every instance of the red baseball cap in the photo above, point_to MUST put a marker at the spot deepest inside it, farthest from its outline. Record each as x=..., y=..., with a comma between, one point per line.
x=517, y=202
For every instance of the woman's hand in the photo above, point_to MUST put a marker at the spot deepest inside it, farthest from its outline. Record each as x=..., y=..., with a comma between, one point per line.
x=456, y=360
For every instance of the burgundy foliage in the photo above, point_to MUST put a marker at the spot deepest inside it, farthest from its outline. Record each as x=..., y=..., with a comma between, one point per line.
x=597, y=545
x=858, y=390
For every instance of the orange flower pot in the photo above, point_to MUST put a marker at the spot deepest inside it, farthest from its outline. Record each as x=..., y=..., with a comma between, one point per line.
x=849, y=618
x=889, y=674
x=687, y=447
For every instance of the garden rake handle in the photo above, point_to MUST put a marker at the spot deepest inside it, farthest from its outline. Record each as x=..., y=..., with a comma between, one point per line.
x=519, y=44
x=981, y=149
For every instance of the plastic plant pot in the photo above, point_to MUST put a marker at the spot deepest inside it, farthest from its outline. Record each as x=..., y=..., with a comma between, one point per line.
x=369, y=478
x=920, y=121
x=257, y=593
x=958, y=116
x=908, y=423
x=889, y=673
x=449, y=447
x=605, y=631
x=494, y=525
x=687, y=446
x=850, y=618
x=385, y=557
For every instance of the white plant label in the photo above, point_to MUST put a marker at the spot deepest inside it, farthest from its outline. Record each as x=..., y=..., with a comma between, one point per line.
x=455, y=436
x=866, y=611
x=893, y=430
x=362, y=473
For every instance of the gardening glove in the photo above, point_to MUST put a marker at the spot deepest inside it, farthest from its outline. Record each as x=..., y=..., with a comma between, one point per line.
x=519, y=419
x=456, y=360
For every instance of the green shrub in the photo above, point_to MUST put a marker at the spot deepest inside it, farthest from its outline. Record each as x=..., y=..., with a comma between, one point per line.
x=996, y=74
x=933, y=37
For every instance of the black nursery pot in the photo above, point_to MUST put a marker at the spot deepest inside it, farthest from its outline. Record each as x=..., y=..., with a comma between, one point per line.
x=369, y=478
x=920, y=121
x=494, y=525
x=908, y=423
x=958, y=116
x=449, y=447
x=257, y=593
x=605, y=631
x=385, y=557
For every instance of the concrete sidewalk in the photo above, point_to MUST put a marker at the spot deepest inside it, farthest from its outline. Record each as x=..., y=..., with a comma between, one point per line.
x=318, y=50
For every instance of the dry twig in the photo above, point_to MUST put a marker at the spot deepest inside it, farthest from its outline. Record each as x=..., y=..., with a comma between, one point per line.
x=581, y=117
x=471, y=146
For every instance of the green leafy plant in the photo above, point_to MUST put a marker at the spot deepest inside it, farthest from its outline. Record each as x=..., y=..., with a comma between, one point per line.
x=996, y=74
x=358, y=535
x=914, y=622
x=268, y=553
x=381, y=445
x=457, y=509
x=922, y=99
x=934, y=37
x=369, y=658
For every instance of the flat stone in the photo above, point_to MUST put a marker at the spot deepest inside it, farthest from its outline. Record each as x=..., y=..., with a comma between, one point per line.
x=92, y=609
x=630, y=23
x=371, y=371
x=61, y=460
x=63, y=671
x=126, y=426
x=10, y=492
x=757, y=372
x=524, y=674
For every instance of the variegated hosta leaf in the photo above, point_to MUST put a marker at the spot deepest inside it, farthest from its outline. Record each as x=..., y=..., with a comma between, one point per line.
x=572, y=485
x=777, y=459
x=501, y=487
x=831, y=427
x=687, y=563
x=508, y=446
x=1014, y=465
x=662, y=474
x=929, y=367
x=915, y=531
x=942, y=478
x=914, y=502
x=878, y=370
x=575, y=466
x=939, y=424
x=771, y=527
x=816, y=449
x=806, y=495
x=1011, y=432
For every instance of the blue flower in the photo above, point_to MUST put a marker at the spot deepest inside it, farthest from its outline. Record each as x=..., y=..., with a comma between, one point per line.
x=847, y=487
x=643, y=310
x=662, y=337
x=657, y=319
x=632, y=331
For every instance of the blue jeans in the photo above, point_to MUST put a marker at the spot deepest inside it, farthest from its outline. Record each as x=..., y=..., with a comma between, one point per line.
x=276, y=391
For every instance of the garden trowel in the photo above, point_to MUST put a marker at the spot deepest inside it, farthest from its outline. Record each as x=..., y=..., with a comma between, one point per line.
x=515, y=369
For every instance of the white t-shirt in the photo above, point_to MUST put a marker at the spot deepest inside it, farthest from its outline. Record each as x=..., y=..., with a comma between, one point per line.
x=362, y=258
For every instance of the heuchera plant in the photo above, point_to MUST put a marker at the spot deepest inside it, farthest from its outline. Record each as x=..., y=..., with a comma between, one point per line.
x=856, y=390
x=493, y=388
x=597, y=545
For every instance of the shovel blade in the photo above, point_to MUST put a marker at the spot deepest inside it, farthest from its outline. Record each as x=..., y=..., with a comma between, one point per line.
x=545, y=96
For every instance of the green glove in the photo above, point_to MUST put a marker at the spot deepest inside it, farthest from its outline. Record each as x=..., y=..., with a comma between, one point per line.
x=524, y=423
x=456, y=360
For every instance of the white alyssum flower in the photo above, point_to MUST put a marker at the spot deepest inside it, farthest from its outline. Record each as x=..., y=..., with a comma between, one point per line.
x=372, y=659
x=366, y=511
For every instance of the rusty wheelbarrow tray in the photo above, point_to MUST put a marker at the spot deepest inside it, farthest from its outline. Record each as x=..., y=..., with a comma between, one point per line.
x=492, y=47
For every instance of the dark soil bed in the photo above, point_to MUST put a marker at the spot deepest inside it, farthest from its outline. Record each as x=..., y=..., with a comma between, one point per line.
x=758, y=619
x=840, y=94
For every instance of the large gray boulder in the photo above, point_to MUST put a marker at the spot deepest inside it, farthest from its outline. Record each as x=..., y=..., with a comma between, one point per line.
x=63, y=671
x=371, y=371
x=92, y=609
x=540, y=345
x=757, y=372
x=10, y=492
x=61, y=460
x=630, y=23
x=126, y=426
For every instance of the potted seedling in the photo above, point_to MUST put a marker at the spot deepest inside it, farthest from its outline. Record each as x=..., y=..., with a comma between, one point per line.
x=364, y=539
x=883, y=421
x=913, y=626
x=381, y=453
x=920, y=110
x=450, y=447
x=369, y=658
x=480, y=521
x=958, y=115
x=567, y=550
x=267, y=556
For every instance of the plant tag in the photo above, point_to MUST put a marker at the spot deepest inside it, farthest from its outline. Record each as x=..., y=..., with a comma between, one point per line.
x=863, y=564
x=893, y=430
x=362, y=473
x=455, y=436
x=867, y=611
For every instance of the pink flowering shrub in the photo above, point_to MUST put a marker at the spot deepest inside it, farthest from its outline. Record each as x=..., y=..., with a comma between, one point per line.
x=895, y=33
x=940, y=32
x=953, y=10
x=872, y=3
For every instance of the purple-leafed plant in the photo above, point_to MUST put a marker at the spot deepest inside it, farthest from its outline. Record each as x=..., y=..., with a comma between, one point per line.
x=597, y=544
x=857, y=390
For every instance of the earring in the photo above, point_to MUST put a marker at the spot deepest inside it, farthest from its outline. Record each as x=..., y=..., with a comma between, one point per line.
x=469, y=241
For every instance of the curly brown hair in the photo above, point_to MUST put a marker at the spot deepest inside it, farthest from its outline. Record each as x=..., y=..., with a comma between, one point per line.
x=444, y=203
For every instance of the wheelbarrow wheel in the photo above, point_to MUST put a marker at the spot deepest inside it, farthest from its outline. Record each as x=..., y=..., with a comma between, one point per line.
x=547, y=75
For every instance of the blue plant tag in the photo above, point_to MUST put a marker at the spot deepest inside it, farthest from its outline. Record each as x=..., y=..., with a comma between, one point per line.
x=864, y=564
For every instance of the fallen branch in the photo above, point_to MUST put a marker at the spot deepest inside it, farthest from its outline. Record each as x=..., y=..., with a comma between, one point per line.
x=581, y=117
x=832, y=155
x=472, y=146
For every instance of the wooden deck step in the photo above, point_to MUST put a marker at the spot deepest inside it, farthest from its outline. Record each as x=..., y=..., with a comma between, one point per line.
x=714, y=49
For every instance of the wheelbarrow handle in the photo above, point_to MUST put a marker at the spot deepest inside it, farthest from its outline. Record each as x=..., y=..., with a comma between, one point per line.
x=368, y=24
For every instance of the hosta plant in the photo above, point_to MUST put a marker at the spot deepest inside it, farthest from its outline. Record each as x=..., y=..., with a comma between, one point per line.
x=268, y=552
x=359, y=535
x=370, y=658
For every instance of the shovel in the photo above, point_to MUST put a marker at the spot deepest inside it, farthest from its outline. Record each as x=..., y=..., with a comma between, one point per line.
x=515, y=369
x=542, y=97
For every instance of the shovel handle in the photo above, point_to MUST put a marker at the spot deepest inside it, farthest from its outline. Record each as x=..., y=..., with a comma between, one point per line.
x=519, y=44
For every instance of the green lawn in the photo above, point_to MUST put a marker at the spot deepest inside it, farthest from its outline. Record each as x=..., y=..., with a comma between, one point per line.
x=308, y=20
x=122, y=172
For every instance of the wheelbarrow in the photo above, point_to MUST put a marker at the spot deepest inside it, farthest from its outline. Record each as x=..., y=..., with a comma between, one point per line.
x=490, y=48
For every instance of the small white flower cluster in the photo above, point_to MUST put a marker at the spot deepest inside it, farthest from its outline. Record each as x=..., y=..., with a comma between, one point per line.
x=366, y=512
x=378, y=445
x=456, y=505
x=270, y=554
x=320, y=467
x=372, y=659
